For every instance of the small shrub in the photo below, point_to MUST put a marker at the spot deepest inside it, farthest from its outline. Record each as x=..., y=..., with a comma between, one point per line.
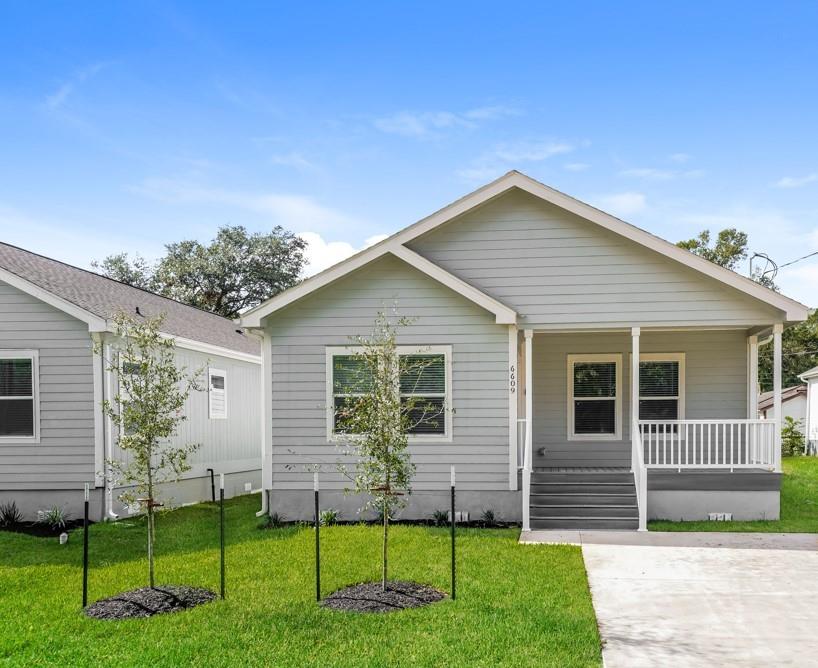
x=273, y=521
x=440, y=518
x=10, y=514
x=792, y=438
x=488, y=518
x=328, y=517
x=54, y=517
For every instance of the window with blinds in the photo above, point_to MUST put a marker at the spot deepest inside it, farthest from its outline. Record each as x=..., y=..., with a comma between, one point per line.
x=424, y=382
x=593, y=390
x=18, y=395
x=217, y=394
x=661, y=383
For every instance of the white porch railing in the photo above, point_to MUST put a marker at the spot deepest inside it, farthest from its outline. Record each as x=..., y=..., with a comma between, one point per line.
x=709, y=444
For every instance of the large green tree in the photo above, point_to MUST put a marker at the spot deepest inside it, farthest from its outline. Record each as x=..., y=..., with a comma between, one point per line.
x=234, y=272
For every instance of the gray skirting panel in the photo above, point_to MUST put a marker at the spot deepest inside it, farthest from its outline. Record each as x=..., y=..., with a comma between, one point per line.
x=740, y=480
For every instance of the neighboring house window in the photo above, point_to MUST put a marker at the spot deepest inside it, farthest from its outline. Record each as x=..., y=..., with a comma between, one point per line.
x=217, y=394
x=594, y=397
x=428, y=382
x=19, y=395
x=661, y=386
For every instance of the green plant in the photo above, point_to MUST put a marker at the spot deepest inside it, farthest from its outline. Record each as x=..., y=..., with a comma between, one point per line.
x=148, y=409
x=328, y=517
x=54, y=517
x=440, y=518
x=273, y=521
x=792, y=438
x=488, y=518
x=10, y=514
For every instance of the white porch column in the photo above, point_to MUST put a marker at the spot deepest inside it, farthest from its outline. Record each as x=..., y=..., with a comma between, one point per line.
x=640, y=474
x=778, y=330
x=752, y=377
x=635, y=332
x=529, y=426
x=513, y=392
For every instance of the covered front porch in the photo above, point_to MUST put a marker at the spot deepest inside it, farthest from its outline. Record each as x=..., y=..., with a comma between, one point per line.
x=616, y=426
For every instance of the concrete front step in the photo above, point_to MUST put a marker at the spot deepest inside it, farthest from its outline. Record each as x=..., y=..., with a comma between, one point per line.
x=543, y=512
x=588, y=523
x=582, y=487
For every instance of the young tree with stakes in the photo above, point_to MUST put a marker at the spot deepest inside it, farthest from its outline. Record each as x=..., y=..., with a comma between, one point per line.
x=375, y=423
x=148, y=409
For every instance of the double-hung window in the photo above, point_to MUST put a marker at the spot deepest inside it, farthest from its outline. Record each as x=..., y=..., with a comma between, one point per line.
x=661, y=386
x=594, y=397
x=19, y=401
x=426, y=382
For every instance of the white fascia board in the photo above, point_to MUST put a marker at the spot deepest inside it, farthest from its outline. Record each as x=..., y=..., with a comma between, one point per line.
x=210, y=349
x=95, y=323
x=810, y=373
x=793, y=311
x=502, y=313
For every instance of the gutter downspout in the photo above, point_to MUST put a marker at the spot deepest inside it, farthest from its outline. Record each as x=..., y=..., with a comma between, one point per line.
x=108, y=393
x=265, y=492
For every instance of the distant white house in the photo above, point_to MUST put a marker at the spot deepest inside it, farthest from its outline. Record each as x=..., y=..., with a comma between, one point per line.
x=811, y=420
x=54, y=437
x=793, y=404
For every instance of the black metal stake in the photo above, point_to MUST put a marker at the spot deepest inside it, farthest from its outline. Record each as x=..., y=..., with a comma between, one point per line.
x=85, y=551
x=317, y=552
x=221, y=522
x=212, y=485
x=453, y=562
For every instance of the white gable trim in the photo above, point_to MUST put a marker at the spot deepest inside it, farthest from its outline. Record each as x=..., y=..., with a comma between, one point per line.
x=793, y=310
x=502, y=313
x=94, y=322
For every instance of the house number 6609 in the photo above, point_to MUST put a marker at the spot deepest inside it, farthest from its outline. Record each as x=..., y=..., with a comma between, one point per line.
x=512, y=379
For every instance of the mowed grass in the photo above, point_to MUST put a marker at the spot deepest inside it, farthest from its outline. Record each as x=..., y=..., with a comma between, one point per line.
x=799, y=505
x=516, y=605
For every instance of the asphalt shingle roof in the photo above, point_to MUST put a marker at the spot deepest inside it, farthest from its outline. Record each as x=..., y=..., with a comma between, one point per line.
x=105, y=297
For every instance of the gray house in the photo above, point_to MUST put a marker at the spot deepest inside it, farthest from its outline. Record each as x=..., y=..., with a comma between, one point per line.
x=590, y=373
x=54, y=437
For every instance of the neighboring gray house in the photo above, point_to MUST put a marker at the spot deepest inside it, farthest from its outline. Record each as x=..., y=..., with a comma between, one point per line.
x=793, y=403
x=811, y=418
x=545, y=315
x=54, y=436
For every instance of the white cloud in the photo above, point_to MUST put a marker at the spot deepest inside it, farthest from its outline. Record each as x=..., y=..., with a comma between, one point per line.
x=292, y=159
x=679, y=157
x=654, y=174
x=576, y=166
x=60, y=96
x=322, y=254
x=290, y=211
x=428, y=123
x=624, y=204
x=796, y=181
x=511, y=155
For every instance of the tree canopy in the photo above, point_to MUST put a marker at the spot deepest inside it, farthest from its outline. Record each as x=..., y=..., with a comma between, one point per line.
x=232, y=273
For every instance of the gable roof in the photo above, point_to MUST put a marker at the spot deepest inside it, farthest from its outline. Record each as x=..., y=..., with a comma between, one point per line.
x=793, y=310
x=809, y=373
x=95, y=299
x=766, y=399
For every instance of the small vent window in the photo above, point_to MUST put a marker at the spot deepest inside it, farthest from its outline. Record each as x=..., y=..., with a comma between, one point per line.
x=217, y=394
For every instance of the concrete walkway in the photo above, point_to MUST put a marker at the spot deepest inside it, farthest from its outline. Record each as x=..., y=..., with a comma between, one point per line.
x=701, y=599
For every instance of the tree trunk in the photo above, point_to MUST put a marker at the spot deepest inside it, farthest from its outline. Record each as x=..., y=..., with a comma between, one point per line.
x=385, y=536
x=150, y=530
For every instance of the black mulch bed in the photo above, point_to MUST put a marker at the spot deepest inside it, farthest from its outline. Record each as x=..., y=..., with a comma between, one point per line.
x=43, y=530
x=370, y=597
x=148, y=601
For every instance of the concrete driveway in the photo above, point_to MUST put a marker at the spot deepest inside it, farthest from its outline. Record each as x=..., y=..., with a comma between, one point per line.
x=701, y=599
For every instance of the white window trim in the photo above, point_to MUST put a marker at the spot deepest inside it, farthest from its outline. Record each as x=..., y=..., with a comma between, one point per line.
x=614, y=357
x=446, y=351
x=34, y=356
x=668, y=357
x=210, y=373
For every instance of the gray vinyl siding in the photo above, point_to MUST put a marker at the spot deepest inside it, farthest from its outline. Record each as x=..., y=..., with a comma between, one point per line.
x=301, y=333
x=558, y=270
x=715, y=387
x=64, y=457
x=226, y=445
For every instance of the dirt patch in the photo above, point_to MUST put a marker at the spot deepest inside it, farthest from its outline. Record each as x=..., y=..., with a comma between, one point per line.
x=149, y=601
x=370, y=597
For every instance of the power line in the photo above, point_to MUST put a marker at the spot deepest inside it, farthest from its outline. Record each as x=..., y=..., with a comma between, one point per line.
x=798, y=260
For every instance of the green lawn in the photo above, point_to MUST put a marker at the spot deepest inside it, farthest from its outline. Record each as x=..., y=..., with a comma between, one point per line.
x=799, y=504
x=517, y=605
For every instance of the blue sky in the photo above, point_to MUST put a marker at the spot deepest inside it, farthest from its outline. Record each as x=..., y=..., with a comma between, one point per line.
x=125, y=126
